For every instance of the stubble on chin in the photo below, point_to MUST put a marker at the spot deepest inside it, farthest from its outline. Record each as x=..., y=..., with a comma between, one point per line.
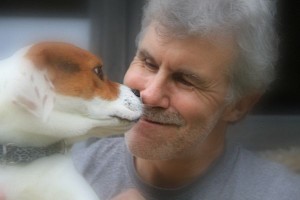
x=161, y=147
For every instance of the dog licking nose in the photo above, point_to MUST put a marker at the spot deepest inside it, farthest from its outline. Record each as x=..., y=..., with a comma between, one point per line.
x=77, y=73
x=52, y=95
x=58, y=87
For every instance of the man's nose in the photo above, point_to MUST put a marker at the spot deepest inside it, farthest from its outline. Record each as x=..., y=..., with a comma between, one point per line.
x=155, y=94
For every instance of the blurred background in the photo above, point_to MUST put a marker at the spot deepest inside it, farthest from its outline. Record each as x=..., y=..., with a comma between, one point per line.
x=109, y=27
x=105, y=27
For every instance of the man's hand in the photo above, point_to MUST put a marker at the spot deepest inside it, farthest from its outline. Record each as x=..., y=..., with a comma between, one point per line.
x=131, y=194
x=2, y=195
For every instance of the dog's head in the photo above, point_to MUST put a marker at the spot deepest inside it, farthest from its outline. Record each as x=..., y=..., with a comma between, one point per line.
x=59, y=90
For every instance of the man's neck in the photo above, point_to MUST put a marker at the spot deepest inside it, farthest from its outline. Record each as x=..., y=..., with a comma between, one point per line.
x=179, y=172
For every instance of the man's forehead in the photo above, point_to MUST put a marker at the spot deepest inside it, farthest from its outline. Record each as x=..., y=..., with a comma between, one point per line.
x=206, y=49
x=215, y=40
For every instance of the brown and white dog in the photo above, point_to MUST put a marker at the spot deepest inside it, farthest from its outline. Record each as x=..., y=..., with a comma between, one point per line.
x=51, y=95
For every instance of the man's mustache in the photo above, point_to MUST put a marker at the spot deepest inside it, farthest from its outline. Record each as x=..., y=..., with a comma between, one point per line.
x=160, y=115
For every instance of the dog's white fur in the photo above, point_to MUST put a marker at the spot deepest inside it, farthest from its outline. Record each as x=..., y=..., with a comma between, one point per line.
x=55, y=117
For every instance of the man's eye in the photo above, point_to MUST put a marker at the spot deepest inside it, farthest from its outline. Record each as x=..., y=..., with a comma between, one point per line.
x=150, y=65
x=185, y=82
x=182, y=80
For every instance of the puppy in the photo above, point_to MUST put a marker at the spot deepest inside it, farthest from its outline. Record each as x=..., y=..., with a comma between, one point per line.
x=51, y=95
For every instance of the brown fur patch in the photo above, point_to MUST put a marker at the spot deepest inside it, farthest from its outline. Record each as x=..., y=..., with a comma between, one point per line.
x=71, y=70
x=66, y=65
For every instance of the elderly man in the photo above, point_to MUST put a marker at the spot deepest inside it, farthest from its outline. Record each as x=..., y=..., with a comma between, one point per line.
x=200, y=66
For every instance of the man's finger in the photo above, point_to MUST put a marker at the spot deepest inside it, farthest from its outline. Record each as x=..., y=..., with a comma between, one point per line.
x=2, y=195
x=130, y=194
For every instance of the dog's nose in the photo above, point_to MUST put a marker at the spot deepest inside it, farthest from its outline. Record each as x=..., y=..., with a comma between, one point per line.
x=136, y=92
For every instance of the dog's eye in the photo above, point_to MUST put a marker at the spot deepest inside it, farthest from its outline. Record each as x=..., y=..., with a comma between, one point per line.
x=98, y=71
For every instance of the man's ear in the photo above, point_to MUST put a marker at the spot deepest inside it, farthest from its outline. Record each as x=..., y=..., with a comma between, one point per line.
x=237, y=110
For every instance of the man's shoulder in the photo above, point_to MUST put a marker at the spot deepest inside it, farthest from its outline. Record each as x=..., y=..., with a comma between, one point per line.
x=252, y=163
x=98, y=152
x=103, y=163
x=267, y=178
x=98, y=144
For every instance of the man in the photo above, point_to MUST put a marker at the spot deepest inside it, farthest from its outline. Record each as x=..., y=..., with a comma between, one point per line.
x=200, y=66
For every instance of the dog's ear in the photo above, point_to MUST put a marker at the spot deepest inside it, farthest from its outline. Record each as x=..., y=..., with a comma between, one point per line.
x=34, y=92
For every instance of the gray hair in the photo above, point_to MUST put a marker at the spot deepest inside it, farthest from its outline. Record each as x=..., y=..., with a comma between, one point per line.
x=251, y=22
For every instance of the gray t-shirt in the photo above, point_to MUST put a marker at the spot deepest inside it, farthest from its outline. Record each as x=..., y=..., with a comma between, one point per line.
x=237, y=175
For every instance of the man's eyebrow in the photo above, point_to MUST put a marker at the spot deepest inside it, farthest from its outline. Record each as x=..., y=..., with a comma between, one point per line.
x=143, y=53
